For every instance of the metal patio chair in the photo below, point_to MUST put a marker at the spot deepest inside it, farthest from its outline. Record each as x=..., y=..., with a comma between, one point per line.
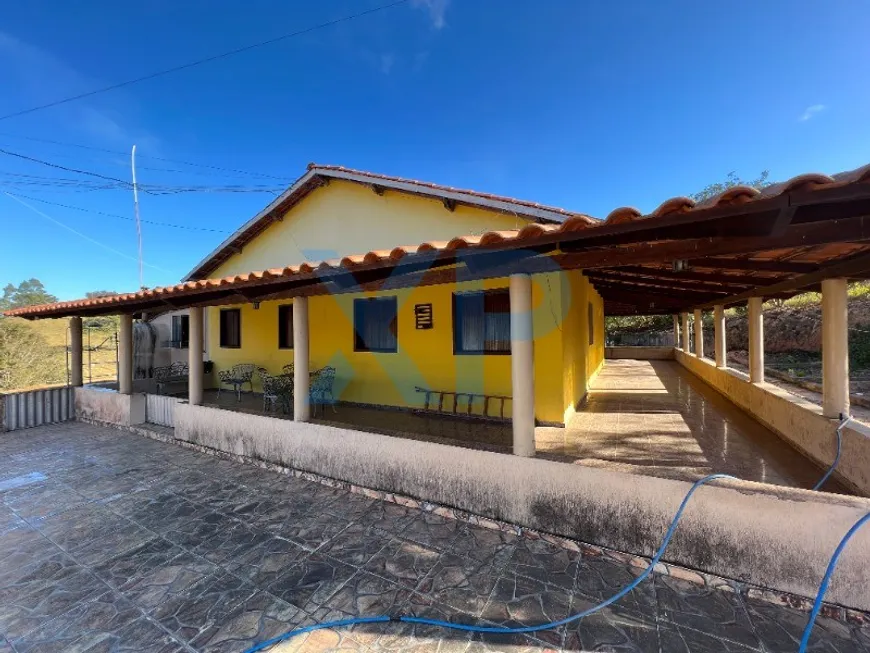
x=320, y=388
x=277, y=390
x=237, y=376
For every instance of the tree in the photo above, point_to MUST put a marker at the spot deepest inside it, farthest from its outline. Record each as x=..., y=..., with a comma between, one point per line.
x=29, y=293
x=105, y=321
x=731, y=180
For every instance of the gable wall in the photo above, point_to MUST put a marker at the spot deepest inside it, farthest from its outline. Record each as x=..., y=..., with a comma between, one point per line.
x=346, y=218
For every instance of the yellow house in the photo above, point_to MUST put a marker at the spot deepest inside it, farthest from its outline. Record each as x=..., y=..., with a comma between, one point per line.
x=388, y=347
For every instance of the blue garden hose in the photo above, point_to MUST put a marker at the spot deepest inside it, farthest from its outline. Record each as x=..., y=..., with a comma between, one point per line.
x=312, y=628
x=817, y=605
x=498, y=629
x=844, y=420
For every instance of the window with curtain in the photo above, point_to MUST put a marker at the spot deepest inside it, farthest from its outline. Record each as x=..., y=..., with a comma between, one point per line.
x=285, y=327
x=375, y=324
x=180, y=331
x=482, y=322
x=231, y=328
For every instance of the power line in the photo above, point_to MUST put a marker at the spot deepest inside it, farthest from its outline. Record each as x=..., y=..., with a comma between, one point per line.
x=79, y=233
x=127, y=184
x=247, y=173
x=121, y=217
x=199, y=62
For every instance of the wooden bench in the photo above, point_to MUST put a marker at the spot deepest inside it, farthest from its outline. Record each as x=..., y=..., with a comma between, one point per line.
x=456, y=397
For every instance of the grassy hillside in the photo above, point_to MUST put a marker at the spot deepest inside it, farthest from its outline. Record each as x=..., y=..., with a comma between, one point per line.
x=33, y=354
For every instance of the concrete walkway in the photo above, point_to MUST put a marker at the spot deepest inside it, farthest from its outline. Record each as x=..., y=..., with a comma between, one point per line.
x=654, y=417
x=114, y=543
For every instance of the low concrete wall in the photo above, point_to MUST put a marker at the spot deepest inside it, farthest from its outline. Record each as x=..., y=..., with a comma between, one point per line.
x=109, y=407
x=639, y=353
x=775, y=537
x=796, y=420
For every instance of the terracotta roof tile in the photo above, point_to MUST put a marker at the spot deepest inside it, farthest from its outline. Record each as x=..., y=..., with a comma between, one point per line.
x=684, y=205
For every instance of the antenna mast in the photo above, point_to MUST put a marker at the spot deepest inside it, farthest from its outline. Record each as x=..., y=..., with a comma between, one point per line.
x=136, y=209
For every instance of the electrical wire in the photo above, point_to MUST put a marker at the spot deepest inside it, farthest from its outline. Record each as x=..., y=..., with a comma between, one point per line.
x=126, y=184
x=245, y=173
x=122, y=217
x=199, y=62
x=80, y=234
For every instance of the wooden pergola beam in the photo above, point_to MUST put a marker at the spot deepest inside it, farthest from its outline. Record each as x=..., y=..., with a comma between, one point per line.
x=854, y=266
x=753, y=265
x=690, y=275
x=691, y=286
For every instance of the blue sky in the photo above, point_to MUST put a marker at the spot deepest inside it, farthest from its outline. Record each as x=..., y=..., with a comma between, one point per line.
x=588, y=106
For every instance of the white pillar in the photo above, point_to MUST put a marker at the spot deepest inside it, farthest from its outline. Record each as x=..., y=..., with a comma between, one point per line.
x=719, y=336
x=194, y=357
x=125, y=355
x=756, y=340
x=676, y=331
x=699, y=333
x=686, y=332
x=835, y=348
x=522, y=364
x=75, y=352
x=301, y=405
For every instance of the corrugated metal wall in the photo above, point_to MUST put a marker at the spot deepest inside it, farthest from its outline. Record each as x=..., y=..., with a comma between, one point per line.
x=160, y=409
x=24, y=410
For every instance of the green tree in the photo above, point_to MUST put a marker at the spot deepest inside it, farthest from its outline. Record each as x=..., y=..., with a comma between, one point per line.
x=731, y=180
x=28, y=293
x=109, y=322
x=96, y=294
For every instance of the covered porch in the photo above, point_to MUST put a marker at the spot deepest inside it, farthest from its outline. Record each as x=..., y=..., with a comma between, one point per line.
x=683, y=260
x=650, y=417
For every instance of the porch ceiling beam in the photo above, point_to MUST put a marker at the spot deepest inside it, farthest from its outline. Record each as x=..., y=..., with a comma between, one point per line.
x=644, y=302
x=753, y=265
x=692, y=286
x=606, y=287
x=712, y=281
x=858, y=265
x=678, y=296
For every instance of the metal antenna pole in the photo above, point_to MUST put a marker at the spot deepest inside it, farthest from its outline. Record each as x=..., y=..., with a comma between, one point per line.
x=136, y=209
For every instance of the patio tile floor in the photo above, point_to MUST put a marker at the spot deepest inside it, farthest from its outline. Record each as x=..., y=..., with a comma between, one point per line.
x=184, y=559
x=640, y=417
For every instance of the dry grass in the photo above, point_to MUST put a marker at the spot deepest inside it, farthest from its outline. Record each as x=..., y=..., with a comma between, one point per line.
x=37, y=356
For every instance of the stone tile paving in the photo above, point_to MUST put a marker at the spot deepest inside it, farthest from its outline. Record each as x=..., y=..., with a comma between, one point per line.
x=129, y=544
